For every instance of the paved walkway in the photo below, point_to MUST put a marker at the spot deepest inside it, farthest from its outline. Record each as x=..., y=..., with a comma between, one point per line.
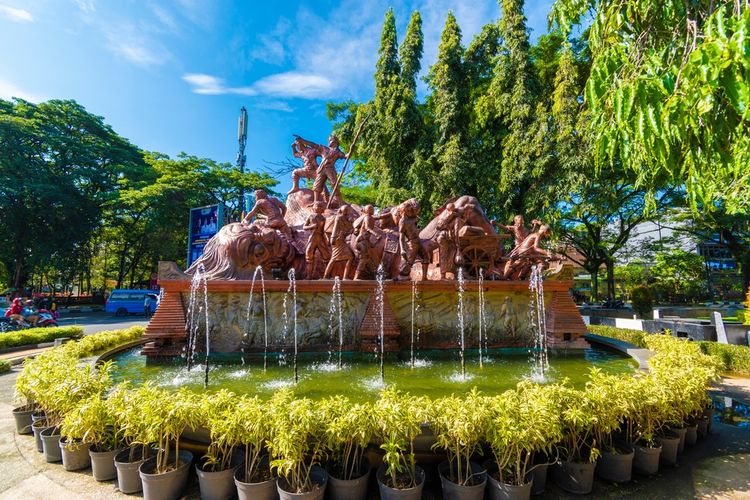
x=716, y=468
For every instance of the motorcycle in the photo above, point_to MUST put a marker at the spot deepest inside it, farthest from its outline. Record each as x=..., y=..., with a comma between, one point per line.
x=41, y=318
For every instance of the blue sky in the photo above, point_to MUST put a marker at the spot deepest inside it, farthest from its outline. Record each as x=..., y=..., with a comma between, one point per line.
x=172, y=75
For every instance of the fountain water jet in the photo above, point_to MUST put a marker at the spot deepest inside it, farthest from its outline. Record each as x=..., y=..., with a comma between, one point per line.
x=380, y=301
x=538, y=320
x=258, y=271
x=293, y=290
x=461, y=287
x=482, y=324
x=413, y=314
x=335, y=312
x=198, y=285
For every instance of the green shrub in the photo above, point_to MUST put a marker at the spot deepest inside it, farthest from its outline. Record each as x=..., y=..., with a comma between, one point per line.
x=634, y=337
x=4, y=366
x=34, y=336
x=734, y=358
x=643, y=300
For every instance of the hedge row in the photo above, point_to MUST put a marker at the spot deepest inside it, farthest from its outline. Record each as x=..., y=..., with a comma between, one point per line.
x=34, y=336
x=4, y=366
x=733, y=358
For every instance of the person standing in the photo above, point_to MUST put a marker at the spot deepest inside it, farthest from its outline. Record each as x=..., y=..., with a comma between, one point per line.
x=147, y=305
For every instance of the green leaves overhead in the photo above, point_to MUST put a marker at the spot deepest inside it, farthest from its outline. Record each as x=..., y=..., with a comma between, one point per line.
x=668, y=93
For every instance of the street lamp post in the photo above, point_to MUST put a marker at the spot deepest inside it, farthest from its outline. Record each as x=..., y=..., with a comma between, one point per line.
x=241, y=158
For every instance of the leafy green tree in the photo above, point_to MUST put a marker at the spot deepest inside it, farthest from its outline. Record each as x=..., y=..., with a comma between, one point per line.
x=453, y=173
x=679, y=276
x=59, y=166
x=668, y=93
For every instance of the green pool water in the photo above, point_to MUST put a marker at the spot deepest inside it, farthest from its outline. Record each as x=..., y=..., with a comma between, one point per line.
x=437, y=373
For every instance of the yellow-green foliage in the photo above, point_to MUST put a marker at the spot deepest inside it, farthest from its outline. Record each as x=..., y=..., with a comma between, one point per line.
x=34, y=336
x=734, y=358
x=554, y=419
x=634, y=337
x=4, y=366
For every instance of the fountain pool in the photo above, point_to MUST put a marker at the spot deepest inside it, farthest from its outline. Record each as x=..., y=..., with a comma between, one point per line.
x=436, y=373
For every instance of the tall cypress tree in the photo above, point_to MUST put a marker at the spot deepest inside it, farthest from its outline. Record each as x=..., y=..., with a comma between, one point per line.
x=410, y=52
x=448, y=102
x=519, y=93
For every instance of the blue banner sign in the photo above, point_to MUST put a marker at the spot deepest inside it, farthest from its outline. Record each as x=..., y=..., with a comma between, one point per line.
x=204, y=223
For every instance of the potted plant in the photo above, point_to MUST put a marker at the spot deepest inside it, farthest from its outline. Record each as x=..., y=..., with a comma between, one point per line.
x=348, y=430
x=75, y=451
x=398, y=422
x=123, y=403
x=458, y=425
x=166, y=416
x=93, y=423
x=522, y=423
x=297, y=445
x=575, y=471
x=647, y=401
x=608, y=397
x=250, y=428
x=216, y=471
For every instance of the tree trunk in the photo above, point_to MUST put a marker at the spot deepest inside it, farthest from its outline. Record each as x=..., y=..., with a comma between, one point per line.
x=594, y=283
x=610, y=264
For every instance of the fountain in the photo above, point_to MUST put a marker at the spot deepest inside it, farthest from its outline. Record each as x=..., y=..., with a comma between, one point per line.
x=258, y=272
x=461, y=321
x=397, y=282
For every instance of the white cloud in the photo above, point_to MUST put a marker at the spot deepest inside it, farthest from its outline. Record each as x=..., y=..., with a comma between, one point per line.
x=8, y=90
x=86, y=6
x=294, y=84
x=274, y=106
x=204, y=84
x=131, y=44
x=16, y=15
x=272, y=50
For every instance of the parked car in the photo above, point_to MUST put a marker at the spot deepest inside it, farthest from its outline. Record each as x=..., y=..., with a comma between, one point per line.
x=124, y=302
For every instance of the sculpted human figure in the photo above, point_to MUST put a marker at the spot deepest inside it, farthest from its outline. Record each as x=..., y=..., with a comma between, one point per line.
x=528, y=253
x=342, y=228
x=409, y=243
x=518, y=230
x=365, y=229
x=327, y=169
x=272, y=211
x=447, y=236
x=309, y=156
x=316, y=243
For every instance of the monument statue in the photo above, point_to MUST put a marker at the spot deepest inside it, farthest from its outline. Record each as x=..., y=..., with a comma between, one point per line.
x=447, y=236
x=309, y=155
x=366, y=232
x=342, y=228
x=528, y=253
x=410, y=245
x=326, y=170
x=272, y=212
x=317, y=243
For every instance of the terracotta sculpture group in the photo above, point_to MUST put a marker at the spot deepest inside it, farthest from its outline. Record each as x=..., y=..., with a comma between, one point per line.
x=321, y=236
